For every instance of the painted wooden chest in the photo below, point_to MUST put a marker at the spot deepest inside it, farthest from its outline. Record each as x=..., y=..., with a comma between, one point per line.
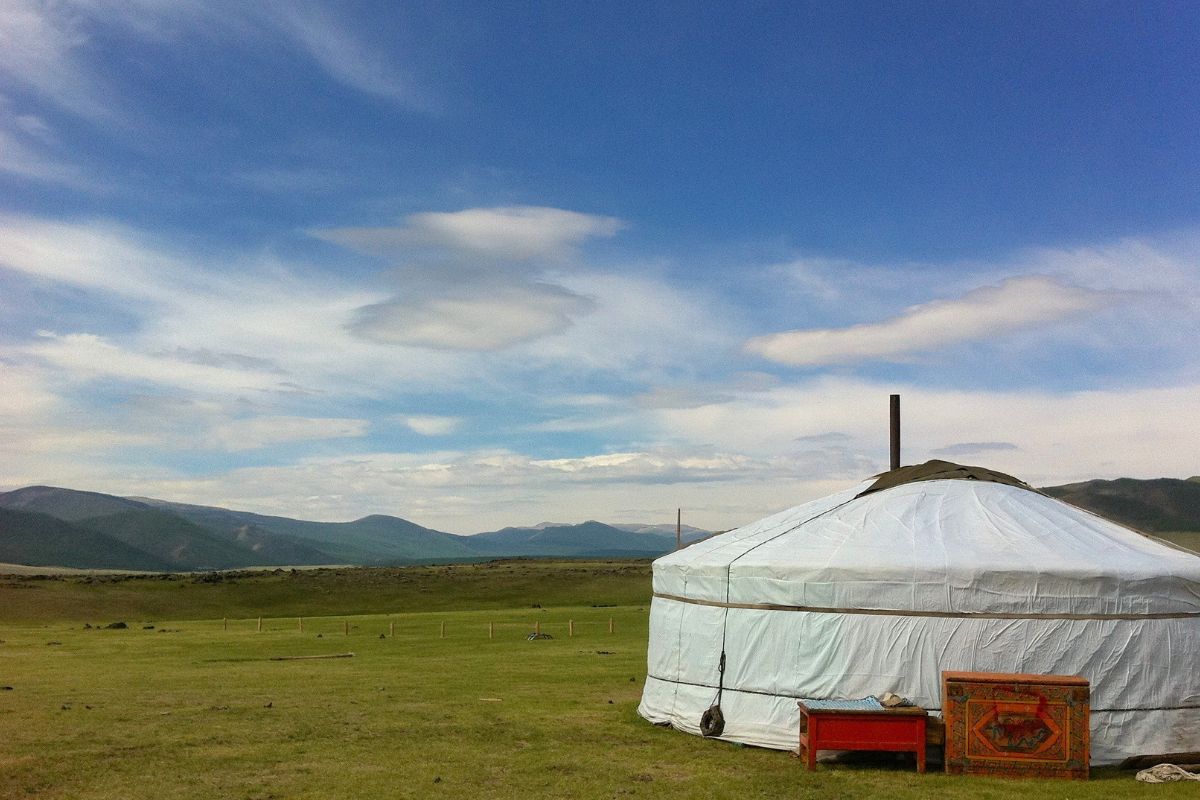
x=1016, y=725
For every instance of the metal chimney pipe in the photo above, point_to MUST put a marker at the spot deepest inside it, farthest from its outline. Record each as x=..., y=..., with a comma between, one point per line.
x=895, y=431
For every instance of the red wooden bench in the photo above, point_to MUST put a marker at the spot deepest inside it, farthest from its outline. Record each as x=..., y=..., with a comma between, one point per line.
x=891, y=729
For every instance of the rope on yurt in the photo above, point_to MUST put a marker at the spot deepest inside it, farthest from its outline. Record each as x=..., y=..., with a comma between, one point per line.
x=712, y=721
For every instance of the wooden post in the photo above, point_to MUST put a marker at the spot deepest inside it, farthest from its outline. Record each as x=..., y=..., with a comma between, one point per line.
x=570, y=627
x=491, y=633
x=392, y=630
x=537, y=627
x=346, y=626
x=443, y=631
x=300, y=621
x=225, y=622
x=610, y=625
x=259, y=625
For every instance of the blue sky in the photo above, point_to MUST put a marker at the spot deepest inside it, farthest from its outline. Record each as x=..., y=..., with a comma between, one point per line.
x=481, y=264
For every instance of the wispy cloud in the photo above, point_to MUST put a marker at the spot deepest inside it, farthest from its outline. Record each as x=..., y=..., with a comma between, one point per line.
x=430, y=425
x=257, y=432
x=973, y=448
x=26, y=159
x=347, y=57
x=511, y=233
x=56, y=49
x=98, y=256
x=456, y=490
x=464, y=321
x=487, y=289
x=85, y=355
x=1014, y=305
x=41, y=51
x=203, y=324
x=1040, y=436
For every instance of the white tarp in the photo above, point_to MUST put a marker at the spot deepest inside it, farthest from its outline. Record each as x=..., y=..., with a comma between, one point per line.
x=851, y=596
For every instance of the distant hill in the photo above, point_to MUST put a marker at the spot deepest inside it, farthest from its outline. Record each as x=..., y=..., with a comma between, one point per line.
x=66, y=504
x=375, y=539
x=66, y=527
x=687, y=532
x=587, y=538
x=173, y=540
x=36, y=539
x=1153, y=506
x=275, y=548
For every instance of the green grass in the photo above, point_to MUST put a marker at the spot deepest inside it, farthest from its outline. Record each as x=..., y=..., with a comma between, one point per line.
x=199, y=711
x=319, y=592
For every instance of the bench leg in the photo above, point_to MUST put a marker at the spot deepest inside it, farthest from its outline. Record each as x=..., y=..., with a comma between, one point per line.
x=921, y=756
x=810, y=745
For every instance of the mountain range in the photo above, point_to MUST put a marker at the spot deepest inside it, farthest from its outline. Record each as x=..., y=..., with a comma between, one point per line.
x=49, y=526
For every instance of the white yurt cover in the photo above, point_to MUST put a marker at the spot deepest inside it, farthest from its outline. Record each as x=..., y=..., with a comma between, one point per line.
x=850, y=596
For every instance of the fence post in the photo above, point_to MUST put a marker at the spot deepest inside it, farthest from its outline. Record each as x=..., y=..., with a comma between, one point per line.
x=392, y=630
x=346, y=626
x=443, y=631
x=610, y=625
x=259, y=630
x=570, y=627
x=537, y=627
x=300, y=621
x=490, y=631
x=225, y=622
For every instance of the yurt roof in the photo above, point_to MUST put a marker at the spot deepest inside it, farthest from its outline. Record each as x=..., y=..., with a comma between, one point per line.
x=949, y=540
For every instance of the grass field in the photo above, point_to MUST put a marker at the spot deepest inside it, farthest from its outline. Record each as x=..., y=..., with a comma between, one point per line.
x=190, y=709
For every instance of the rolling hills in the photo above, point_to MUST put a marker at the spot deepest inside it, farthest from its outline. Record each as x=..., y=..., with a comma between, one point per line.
x=45, y=525
x=591, y=537
x=36, y=539
x=1154, y=506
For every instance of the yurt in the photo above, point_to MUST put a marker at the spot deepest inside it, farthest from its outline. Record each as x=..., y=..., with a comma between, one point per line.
x=926, y=568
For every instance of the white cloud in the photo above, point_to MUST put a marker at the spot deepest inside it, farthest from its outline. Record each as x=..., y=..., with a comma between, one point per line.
x=345, y=57
x=1016, y=304
x=205, y=323
x=486, y=289
x=257, y=432
x=218, y=349
x=430, y=425
x=25, y=393
x=100, y=256
x=1042, y=437
x=20, y=159
x=977, y=449
x=1168, y=266
x=85, y=355
x=513, y=233
x=39, y=48
x=725, y=464
x=473, y=491
x=496, y=319
x=49, y=47
x=641, y=329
